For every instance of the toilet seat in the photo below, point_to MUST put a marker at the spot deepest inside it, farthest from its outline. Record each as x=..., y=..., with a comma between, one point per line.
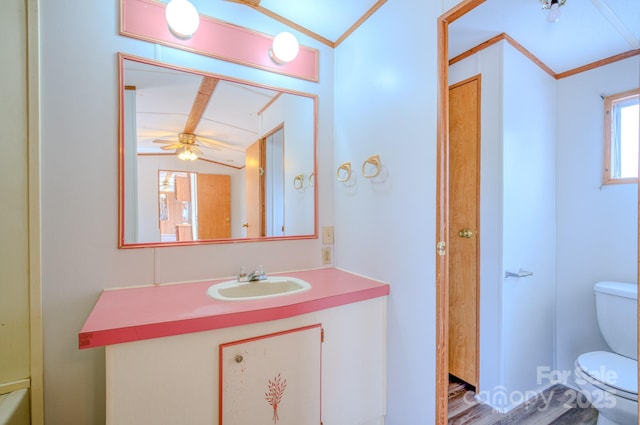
x=610, y=372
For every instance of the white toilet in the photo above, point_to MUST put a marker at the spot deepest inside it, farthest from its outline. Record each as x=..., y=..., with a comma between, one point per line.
x=609, y=380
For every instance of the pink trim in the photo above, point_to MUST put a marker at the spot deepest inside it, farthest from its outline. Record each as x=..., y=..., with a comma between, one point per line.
x=145, y=20
x=134, y=314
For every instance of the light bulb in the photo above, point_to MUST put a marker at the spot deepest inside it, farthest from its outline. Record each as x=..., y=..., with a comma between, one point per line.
x=285, y=48
x=186, y=154
x=554, y=13
x=182, y=17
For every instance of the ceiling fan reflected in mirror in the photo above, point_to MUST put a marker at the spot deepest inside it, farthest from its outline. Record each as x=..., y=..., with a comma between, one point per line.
x=195, y=117
x=186, y=146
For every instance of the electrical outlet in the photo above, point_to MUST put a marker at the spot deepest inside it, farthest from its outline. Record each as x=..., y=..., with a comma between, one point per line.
x=326, y=255
x=327, y=235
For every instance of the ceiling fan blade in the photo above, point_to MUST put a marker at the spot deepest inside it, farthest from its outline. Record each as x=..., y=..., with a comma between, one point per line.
x=196, y=150
x=164, y=141
x=213, y=148
x=171, y=147
x=207, y=86
x=207, y=144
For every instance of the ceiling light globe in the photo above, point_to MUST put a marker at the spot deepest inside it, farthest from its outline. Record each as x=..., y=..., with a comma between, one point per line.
x=186, y=154
x=554, y=13
x=182, y=17
x=285, y=48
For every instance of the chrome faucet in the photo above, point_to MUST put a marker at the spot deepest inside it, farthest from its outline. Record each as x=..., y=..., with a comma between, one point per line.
x=256, y=275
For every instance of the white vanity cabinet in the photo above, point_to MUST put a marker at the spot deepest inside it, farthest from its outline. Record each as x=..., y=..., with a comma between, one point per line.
x=274, y=376
x=177, y=379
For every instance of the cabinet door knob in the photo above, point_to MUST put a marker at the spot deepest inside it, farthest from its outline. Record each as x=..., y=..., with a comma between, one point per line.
x=239, y=358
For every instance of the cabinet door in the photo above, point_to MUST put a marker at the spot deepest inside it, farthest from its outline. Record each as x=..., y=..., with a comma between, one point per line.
x=272, y=379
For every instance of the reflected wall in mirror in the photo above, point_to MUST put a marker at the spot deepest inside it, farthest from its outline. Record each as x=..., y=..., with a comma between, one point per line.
x=209, y=159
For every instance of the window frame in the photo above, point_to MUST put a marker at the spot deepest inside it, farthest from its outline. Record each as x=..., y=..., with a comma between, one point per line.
x=609, y=102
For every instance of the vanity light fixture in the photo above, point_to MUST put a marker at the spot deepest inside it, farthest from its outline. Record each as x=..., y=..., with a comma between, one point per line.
x=553, y=6
x=182, y=17
x=186, y=154
x=284, y=49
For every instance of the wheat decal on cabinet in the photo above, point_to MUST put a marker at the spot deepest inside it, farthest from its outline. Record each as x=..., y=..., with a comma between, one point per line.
x=274, y=393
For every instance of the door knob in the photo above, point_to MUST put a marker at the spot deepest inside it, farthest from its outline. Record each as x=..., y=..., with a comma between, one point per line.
x=465, y=233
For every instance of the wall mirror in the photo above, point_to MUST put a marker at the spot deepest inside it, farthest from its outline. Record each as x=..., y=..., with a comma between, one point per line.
x=205, y=158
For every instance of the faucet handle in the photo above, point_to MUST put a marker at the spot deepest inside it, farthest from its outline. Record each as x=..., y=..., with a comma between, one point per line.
x=242, y=275
x=259, y=274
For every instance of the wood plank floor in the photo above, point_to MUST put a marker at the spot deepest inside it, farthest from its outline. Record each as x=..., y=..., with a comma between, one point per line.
x=557, y=405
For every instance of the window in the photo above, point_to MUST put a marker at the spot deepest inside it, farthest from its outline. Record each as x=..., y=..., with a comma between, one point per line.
x=621, y=116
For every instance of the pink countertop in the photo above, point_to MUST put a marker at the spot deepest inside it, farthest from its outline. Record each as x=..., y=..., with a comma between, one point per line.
x=133, y=314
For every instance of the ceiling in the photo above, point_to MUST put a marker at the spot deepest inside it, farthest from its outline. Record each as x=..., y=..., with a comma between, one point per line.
x=588, y=31
x=328, y=21
x=225, y=127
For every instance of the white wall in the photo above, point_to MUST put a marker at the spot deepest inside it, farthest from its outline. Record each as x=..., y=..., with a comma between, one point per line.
x=597, y=225
x=517, y=221
x=299, y=203
x=296, y=112
x=385, y=97
x=80, y=258
x=529, y=228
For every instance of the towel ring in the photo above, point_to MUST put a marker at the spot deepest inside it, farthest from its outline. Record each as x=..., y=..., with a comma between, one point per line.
x=344, y=172
x=375, y=161
x=298, y=182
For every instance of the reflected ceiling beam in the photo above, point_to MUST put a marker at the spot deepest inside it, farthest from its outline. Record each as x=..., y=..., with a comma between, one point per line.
x=271, y=102
x=207, y=86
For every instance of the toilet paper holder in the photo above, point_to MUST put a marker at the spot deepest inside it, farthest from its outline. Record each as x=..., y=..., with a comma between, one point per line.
x=519, y=273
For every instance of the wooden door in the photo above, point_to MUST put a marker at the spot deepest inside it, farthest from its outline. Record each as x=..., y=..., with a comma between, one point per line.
x=254, y=170
x=464, y=203
x=183, y=188
x=214, y=206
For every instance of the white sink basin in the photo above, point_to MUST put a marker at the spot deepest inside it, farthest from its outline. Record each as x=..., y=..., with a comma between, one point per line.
x=233, y=290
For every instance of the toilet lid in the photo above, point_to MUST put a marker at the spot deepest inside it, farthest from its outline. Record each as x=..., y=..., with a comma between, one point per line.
x=612, y=370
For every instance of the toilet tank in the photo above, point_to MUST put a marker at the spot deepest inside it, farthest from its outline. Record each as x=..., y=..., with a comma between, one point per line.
x=617, y=312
